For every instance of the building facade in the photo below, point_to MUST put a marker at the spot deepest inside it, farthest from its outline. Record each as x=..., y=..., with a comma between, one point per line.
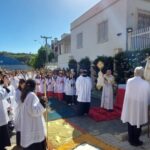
x=104, y=29
x=65, y=50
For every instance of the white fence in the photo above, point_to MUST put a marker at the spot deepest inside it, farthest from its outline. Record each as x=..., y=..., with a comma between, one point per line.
x=139, y=39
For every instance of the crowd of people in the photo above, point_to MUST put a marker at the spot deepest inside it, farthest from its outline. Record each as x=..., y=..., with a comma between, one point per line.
x=23, y=98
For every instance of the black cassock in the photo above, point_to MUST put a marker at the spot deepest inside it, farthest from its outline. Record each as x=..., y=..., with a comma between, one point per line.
x=4, y=137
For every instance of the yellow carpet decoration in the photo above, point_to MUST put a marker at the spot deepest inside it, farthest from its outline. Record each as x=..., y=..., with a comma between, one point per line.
x=61, y=132
x=86, y=138
x=64, y=136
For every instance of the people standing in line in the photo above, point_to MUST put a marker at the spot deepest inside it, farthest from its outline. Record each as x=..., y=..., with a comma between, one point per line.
x=135, y=106
x=18, y=110
x=4, y=134
x=83, y=92
x=33, y=130
x=107, y=92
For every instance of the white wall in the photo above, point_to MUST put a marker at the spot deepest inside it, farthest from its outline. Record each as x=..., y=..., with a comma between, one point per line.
x=63, y=60
x=116, y=16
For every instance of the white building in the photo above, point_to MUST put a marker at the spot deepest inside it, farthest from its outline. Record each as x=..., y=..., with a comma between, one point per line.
x=102, y=30
x=65, y=51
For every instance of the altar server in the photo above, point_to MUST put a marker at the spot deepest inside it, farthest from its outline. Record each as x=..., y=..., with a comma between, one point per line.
x=38, y=80
x=70, y=89
x=33, y=131
x=18, y=110
x=4, y=135
x=83, y=91
x=50, y=85
x=60, y=86
x=135, y=106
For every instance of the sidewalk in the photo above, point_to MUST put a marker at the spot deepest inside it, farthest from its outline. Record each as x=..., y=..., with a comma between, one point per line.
x=111, y=132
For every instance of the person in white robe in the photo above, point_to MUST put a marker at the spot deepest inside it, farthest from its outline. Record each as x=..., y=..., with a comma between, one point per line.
x=18, y=110
x=83, y=92
x=60, y=86
x=54, y=81
x=135, y=106
x=14, y=80
x=42, y=85
x=38, y=80
x=33, y=129
x=69, y=89
x=107, y=92
x=4, y=134
x=50, y=85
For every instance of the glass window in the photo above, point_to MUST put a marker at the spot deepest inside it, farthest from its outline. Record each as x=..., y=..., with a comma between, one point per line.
x=79, y=40
x=102, y=36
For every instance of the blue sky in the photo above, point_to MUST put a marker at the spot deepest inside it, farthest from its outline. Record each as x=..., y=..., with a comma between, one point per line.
x=23, y=21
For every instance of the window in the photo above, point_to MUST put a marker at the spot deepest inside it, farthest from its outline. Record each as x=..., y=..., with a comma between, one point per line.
x=102, y=36
x=143, y=20
x=79, y=40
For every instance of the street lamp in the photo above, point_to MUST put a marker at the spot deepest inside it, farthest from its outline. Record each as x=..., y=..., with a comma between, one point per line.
x=128, y=30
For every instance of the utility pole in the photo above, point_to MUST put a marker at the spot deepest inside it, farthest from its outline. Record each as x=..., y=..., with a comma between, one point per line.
x=46, y=45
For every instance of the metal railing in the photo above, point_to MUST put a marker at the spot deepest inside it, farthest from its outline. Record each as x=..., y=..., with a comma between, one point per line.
x=139, y=39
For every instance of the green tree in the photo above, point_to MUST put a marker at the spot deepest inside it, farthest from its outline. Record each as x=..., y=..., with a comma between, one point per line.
x=40, y=59
x=85, y=63
x=51, y=57
x=72, y=64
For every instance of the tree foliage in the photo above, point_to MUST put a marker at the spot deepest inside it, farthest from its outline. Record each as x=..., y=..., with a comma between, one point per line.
x=51, y=57
x=40, y=59
x=108, y=63
x=72, y=64
x=125, y=63
x=85, y=63
x=25, y=58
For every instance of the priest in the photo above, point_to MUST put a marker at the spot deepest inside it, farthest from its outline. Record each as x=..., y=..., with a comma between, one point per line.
x=135, y=106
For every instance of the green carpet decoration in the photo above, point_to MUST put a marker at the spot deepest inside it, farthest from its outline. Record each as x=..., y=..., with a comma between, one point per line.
x=59, y=109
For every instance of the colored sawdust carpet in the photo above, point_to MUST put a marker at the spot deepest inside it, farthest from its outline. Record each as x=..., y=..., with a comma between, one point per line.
x=59, y=109
x=63, y=135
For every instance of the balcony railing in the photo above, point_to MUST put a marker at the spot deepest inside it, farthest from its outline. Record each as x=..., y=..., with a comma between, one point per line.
x=139, y=39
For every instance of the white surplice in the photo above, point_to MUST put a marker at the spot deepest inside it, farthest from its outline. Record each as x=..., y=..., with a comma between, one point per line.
x=33, y=128
x=83, y=89
x=18, y=110
x=135, y=106
x=3, y=109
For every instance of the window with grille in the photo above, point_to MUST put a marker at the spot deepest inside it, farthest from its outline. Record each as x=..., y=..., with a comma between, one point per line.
x=143, y=20
x=79, y=40
x=102, y=35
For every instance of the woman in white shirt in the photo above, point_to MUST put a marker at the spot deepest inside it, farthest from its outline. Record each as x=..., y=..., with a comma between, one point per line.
x=33, y=130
